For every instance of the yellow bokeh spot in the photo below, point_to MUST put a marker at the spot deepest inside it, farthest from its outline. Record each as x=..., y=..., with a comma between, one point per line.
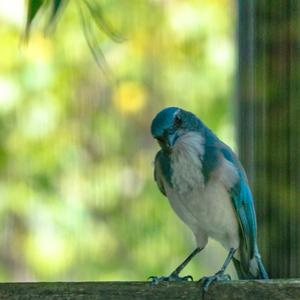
x=38, y=48
x=130, y=97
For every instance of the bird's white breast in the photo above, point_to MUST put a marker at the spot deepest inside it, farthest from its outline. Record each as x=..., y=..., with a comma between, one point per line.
x=205, y=207
x=186, y=163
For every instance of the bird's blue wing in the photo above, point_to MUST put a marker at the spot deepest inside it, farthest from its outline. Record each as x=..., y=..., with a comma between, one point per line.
x=161, y=169
x=242, y=200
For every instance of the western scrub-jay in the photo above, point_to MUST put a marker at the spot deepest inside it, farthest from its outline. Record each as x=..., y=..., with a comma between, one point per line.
x=208, y=189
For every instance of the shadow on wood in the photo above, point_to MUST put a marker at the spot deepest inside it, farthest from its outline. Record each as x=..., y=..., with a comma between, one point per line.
x=233, y=290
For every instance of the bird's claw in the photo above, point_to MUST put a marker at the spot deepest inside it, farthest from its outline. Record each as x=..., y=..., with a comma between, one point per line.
x=156, y=279
x=208, y=280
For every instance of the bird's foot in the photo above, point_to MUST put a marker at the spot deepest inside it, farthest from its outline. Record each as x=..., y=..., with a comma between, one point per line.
x=208, y=280
x=173, y=277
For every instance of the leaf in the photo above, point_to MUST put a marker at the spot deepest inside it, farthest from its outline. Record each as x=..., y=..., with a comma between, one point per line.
x=57, y=7
x=91, y=39
x=97, y=14
x=32, y=9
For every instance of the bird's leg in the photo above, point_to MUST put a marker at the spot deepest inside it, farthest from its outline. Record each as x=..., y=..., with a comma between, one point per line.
x=185, y=262
x=174, y=276
x=207, y=280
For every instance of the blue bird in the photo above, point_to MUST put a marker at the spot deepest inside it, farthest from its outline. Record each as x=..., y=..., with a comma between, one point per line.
x=208, y=189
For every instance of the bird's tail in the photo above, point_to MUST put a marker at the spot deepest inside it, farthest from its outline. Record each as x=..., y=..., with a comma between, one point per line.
x=253, y=270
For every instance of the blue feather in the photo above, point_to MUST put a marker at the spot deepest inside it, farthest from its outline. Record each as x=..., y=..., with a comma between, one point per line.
x=211, y=155
x=162, y=164
x=163, y=120
x=242, y=200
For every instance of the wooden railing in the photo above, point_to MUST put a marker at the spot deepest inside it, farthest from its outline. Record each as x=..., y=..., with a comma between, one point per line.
x=283, y=289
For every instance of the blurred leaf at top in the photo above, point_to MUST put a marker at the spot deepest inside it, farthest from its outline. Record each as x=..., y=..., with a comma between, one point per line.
x=91, y=13
x=33, y=8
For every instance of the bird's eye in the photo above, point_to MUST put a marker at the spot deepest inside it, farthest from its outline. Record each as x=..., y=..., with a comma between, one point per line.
x=177, y=121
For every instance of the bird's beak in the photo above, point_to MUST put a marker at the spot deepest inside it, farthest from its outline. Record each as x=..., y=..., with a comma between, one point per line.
x=172, y=139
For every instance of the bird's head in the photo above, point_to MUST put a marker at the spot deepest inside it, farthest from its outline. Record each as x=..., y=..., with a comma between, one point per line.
x=171, y=123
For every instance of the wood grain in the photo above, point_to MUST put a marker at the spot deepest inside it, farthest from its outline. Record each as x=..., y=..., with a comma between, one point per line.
x=233, y=290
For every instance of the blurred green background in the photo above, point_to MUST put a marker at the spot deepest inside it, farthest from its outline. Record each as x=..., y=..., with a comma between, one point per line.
x=78, y=201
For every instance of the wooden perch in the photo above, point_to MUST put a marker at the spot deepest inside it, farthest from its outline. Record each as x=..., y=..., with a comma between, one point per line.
x=283, y=289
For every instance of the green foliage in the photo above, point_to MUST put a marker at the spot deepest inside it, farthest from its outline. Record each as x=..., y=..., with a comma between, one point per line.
x=78, y=200
x=91, y=13
x=35, y=6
